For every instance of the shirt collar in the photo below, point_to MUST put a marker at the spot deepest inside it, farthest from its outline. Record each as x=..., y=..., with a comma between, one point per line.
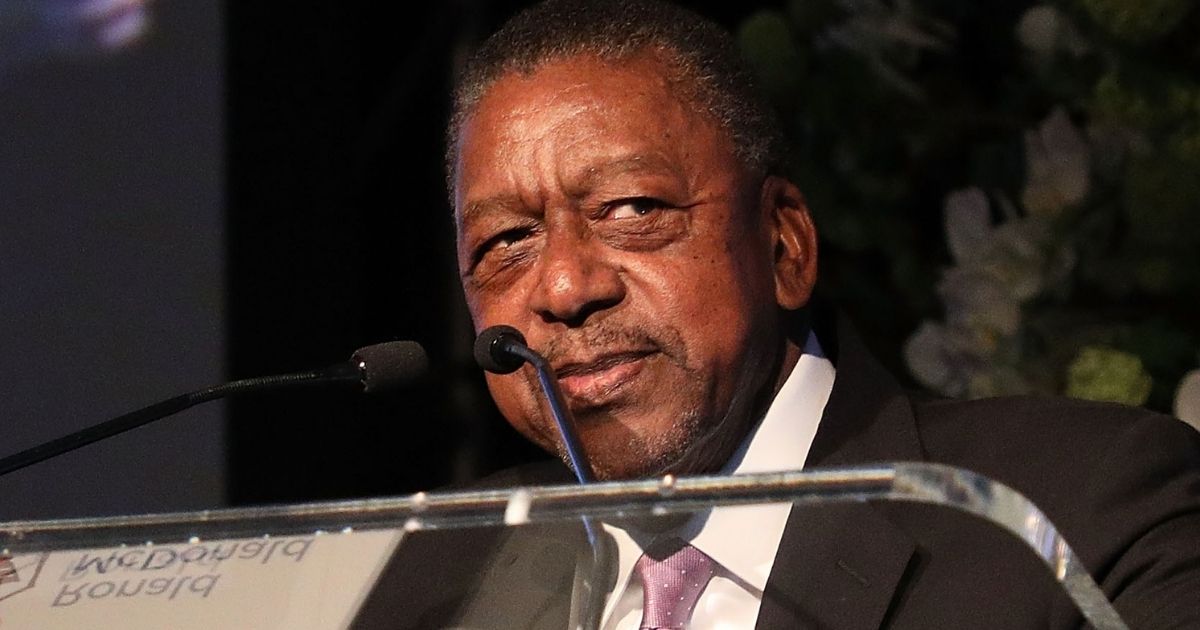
x=780, y=442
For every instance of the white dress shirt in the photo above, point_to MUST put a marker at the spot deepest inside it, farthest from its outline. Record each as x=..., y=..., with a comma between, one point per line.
x=742, y=540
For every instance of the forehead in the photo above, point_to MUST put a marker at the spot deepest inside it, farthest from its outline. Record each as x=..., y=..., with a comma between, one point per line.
x=569, y=116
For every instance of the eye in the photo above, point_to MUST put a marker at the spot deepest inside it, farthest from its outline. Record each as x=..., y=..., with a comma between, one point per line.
x=500, y=242
x=633, y=208
x=507, y=239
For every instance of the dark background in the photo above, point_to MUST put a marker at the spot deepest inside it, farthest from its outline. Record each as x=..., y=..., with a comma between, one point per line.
x=244, y=189
x=112, y=261
x=340, y=235
x=257, y=188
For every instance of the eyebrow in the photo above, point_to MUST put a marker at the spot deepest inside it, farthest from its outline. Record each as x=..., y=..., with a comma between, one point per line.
x=499, y=203
x=626, y=164
x=582, y=184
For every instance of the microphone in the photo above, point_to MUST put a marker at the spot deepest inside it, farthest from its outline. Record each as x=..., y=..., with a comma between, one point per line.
x=496, y=348
x=375, y=368
x=502, y=350
x=389, y=365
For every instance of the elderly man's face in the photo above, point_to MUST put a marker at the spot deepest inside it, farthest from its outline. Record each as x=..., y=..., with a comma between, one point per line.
x=611, y=223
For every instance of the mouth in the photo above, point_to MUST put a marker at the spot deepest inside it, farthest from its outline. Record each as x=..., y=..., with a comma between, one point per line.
x=600, y=380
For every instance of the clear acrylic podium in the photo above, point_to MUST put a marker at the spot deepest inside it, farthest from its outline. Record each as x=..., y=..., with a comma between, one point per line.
x=324, y=565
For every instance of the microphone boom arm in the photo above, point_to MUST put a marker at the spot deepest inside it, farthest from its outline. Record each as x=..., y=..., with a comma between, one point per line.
x=339, y=373
x=375, y=368
x=558, y=409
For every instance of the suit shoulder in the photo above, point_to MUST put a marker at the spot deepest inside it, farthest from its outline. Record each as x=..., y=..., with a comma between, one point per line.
x=1061, y=453
x=1013, y=428
x=1121, y=484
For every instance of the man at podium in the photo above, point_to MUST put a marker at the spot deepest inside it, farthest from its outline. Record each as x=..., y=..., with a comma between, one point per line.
x=619, y=198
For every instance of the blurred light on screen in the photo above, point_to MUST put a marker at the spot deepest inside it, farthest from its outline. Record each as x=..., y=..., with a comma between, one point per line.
x=32, y=31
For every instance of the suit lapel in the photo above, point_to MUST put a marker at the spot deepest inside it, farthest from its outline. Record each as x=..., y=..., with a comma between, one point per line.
x=475, y=578
x=868, y=417
x=529, y=581
x=839, y=566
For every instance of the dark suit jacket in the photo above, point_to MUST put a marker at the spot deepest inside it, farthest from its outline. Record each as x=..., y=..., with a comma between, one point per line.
x=1122, y=485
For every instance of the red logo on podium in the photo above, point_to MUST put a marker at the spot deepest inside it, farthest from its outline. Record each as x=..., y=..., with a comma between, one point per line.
x=19, y=573
x=8, y=570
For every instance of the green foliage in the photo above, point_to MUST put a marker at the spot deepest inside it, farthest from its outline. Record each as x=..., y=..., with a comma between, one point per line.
x=1137, y=21
x=1108, y=375
x=766, y=40
x=1007, y=192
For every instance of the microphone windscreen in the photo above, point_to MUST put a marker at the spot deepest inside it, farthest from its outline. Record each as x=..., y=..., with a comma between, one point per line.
x=490, y=353
x=391, y=364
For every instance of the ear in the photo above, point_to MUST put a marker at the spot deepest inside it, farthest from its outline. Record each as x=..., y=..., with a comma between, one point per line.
x=794, y=239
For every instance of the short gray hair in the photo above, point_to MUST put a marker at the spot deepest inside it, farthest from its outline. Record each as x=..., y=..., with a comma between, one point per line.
x=703, y=56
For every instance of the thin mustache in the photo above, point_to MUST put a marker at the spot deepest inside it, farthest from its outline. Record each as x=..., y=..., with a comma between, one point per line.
x=598, y=363
x=583, y=342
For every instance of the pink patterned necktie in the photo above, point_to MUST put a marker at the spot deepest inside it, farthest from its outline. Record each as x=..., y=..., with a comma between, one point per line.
x=673, y=574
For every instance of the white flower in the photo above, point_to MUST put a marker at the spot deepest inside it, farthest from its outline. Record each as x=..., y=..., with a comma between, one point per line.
x=998, y=269
x=1044, y=29
x=1018, y=256
x=968, y=223
x=1187, y=399
x=930, y=361
x=977, y=299
x=1038, y=29
x=1057, y=159
x=876, y=30
x=962, y=362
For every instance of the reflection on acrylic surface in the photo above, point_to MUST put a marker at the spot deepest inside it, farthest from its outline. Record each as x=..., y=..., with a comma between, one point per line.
x=35, y=30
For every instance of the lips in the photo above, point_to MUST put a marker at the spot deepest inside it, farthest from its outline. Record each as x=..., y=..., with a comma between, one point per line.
x=598, y=381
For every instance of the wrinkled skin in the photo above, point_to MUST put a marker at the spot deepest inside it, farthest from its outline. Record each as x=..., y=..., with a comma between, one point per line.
x=607, y=218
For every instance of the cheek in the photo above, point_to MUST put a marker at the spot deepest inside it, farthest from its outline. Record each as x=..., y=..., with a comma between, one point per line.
x=498, y=304
x=714, y=297
x=517, y=402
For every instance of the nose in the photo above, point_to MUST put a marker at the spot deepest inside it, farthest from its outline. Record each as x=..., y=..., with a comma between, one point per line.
x=574, y=279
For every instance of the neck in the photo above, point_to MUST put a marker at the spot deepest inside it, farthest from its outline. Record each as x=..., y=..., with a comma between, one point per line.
x=709, y=456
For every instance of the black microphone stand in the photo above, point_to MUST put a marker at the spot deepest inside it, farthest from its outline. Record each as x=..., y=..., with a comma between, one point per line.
x=340, y=373
x=375, y=368
x=491, y=347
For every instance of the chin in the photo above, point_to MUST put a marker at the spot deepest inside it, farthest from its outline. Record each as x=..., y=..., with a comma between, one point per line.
x=664, y=464
x=680, y=448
